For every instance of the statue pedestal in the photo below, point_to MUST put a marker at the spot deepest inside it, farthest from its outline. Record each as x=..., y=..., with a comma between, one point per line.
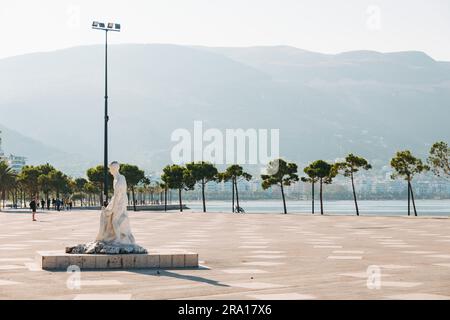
x=58, y=260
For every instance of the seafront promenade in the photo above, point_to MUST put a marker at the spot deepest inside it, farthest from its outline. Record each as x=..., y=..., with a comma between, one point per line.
x=251, y=256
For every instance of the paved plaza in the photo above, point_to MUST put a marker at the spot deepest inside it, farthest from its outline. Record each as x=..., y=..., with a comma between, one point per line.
x=242, y=256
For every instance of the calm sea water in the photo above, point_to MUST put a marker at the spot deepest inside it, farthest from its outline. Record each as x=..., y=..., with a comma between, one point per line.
x=385, y=207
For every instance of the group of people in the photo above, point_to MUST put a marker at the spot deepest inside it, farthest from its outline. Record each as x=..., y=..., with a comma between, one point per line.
x=57, y=204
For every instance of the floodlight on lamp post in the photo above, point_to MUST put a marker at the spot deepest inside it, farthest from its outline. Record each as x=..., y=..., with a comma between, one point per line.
x=110, y=26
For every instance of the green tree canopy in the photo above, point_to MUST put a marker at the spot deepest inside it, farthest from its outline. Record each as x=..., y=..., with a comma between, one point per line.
x=439, y=159
x=28, y=178
x=45, y=183
x=406, y=166
x=80, y=184
x=45, y=168
x=235, y=173
x=203, y=172
x=280, y=173
x=325, y=173
x=312, y=178
x=178, y=177
x=349, y=167
x=311, y=175
x=96, y=177
x=352, y=164
x=60, y=182
x=134, y=176
x=132, y=173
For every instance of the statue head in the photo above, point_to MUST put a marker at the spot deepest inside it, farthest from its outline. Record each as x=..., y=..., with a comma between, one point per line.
x=114, y=168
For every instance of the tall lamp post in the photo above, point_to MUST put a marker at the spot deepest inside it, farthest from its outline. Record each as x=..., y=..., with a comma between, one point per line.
x=106, y=27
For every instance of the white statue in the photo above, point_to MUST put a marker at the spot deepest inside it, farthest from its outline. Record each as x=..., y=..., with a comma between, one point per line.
x=114, y=235
x=114, y=224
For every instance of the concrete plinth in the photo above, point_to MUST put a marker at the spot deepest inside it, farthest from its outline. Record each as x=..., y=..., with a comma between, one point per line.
x=58, y=260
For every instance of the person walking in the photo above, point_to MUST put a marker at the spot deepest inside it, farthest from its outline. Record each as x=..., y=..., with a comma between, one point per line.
x=43, y=204
x=48, y=203
x=33, y=206
x=58, y=204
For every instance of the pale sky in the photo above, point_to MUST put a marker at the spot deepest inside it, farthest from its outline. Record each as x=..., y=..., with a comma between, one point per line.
x=328, y=26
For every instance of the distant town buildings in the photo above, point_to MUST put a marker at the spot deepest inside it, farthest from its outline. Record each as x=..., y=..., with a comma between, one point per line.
x=14, y=161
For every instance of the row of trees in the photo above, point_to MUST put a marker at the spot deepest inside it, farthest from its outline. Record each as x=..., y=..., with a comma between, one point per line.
x=47, y=181
x=283, y=174
x=44, y=181
x=30, y=181
x=404, y=164
x=199, y=174
x=132, y=173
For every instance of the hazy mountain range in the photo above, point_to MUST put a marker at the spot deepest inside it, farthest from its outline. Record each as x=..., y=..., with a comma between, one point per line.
x=324, y=105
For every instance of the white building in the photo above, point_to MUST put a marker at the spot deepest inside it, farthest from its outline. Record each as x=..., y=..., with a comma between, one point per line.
x=15, y=162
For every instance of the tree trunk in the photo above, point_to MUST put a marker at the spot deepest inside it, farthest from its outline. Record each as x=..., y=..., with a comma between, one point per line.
x=284, y=199
x=321, y=196
x=412, y=198
x=237, y=196
x=165, y=199
x=179, y=198
x=354, y=194
x=312, y=192
x=46, y=198
x=134, y=199
x=409, y=198
x=203, y=195
x=232, y=195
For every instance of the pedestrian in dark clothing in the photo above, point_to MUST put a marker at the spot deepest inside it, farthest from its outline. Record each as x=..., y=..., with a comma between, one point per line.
x=58, y=204
x=33, y=206
x=42, y=204
x=48, y=204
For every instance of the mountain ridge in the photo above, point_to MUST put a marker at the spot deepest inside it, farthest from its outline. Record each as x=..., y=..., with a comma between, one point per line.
x=331, y=106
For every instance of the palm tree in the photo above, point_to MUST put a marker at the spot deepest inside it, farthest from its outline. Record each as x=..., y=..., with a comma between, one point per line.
x=349, y=167
x=7, y=180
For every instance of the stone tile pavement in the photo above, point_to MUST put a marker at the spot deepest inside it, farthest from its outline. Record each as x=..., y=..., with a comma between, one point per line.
x=251, y=256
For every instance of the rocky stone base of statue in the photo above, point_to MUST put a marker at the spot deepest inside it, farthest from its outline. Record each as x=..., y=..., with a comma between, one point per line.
x=100, y=247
